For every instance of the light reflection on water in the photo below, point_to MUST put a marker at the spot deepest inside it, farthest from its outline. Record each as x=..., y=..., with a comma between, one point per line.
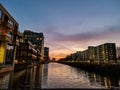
x=27, y=79
x=64, y=76
x=55, y=75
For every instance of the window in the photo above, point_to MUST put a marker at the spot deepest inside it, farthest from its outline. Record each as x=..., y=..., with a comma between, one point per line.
x=37, y=38
x=0, y=14
x=10, y=22
x=9, y=34
x=40, y=38
x=9, y=54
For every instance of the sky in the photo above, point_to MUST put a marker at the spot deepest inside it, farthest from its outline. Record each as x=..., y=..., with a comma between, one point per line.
x=68, y=25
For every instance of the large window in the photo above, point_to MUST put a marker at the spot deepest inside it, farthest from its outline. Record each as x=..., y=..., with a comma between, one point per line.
x=9, y=54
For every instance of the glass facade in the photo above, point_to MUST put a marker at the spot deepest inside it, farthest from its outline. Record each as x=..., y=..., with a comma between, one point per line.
x=9, y=54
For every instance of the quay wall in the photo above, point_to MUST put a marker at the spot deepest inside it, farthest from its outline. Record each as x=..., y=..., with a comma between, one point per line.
x=6, y=69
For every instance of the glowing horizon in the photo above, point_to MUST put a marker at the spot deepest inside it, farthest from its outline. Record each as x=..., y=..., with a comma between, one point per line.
x=69, y=25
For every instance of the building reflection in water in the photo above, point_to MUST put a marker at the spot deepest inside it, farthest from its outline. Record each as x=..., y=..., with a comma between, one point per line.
x=107, y=81
x=104, y=80
x=33, y=77
x=6, y=80
x=39, y=77
x=45, y=75
x=29, y=78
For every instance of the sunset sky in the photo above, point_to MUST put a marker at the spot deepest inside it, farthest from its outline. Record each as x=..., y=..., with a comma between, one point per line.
x=68, y=25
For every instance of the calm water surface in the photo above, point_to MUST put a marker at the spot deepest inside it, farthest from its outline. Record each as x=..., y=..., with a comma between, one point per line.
x=55, y=75
x=64, y=76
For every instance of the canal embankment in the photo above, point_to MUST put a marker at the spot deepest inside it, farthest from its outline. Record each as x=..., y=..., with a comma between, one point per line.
x=6, y=68
x=110, y=69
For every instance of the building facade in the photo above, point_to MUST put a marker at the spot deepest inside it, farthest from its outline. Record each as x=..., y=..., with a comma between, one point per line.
x=104, y=53
x=27, y=53
x=36, y=39
x=46, y=54
x=8, y=37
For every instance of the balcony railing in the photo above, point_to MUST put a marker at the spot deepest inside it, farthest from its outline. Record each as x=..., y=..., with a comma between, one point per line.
x=5, y=38
x=9, y=26
x=16, y=43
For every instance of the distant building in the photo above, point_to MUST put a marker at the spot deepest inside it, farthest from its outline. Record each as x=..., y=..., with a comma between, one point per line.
x=53, y=59
x=118, y=53
x=107, y=52
x=91, y=52
x=104, y=53
x=36, y=39
x=46, y=54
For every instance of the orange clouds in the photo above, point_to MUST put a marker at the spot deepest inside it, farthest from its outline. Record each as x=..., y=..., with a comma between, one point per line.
x=64, y=44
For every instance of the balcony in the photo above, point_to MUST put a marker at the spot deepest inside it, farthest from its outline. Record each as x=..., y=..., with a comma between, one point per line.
x=5, y=38
x=16, y=32
x=9, y=26
x=16, y=43
x=33, y=51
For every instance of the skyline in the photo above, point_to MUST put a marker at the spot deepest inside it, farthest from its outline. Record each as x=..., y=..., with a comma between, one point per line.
x=68, y=25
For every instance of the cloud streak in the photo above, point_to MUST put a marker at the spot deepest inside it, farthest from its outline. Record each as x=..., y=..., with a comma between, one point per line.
x=59, y=42
x=103, y=33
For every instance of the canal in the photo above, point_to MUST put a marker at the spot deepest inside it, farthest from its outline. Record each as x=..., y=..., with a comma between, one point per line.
x=54, y=75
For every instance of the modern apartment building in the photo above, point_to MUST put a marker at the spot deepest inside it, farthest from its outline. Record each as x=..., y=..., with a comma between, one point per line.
x=36, y=39
x=108, y=53
x=104, y=53
x=8, y=37
x=27, y=53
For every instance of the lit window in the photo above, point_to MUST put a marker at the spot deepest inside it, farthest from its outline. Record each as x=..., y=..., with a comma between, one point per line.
x=40, y=38
x=37, y=38
x=9, y=54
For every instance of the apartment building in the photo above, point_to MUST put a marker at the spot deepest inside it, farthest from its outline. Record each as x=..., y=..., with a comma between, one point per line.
x=104, y=53
x=27, y=53
x=8, y=37
x=36, y=39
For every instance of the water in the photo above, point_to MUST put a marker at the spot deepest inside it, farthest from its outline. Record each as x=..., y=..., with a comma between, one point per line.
x=55, y=75
x=64, y=76
x=27, y=79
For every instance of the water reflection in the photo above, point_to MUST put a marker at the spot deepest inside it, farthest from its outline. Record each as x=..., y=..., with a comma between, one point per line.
x=27, y=79
x=45, y=75
x=104, y=80
x=64, y=76
x=6, y=80
x=107, y=81
x=55, y=75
